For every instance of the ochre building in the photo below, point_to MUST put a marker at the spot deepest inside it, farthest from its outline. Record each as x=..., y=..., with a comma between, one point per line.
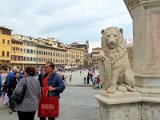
x=5, y=46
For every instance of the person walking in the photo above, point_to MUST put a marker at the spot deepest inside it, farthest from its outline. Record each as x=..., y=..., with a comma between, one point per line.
x=70, y=77
x=40, y=76
x=80, y=72
x=52, y=84
x=0, y=84
x=11, y=87
x=27, y=109
x=11, y=75
x=88, y=77
x=64, y=80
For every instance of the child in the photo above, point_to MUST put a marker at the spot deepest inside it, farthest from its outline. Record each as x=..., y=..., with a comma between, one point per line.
x=70, y=78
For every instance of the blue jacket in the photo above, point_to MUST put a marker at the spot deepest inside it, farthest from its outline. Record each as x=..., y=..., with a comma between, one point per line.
x=0, y=80
x=56, y=81
x=9, y=77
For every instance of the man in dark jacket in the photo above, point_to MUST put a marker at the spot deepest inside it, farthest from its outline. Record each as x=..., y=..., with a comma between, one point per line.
x=40, y=77
x=11, y=75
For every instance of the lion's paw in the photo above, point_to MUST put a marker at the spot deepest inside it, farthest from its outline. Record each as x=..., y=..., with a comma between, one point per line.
x=122, y=88
x=111, y=89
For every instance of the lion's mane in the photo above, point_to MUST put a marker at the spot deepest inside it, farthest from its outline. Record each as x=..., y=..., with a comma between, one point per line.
x=118, y=52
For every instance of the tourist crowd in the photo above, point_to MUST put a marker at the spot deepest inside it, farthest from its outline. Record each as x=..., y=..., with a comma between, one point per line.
x=44, y=82
x=34, y=88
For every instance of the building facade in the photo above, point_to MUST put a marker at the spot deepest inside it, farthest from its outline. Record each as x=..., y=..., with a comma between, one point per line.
x=85, y=47
x=95, y=53
x=48, y=50
x=28, y=53
x=22, y=51
x=75, y=56
x=5, y=46
x=17, y=52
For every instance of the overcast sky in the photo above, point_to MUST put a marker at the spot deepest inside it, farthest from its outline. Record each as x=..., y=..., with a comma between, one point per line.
x=66, y=20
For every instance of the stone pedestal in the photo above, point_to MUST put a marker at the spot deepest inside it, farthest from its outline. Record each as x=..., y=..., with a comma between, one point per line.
x=119, y=106
x=126, y=106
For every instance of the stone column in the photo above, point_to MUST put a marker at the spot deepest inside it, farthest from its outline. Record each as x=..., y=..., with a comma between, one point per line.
x=146, y=46
x=146, y=53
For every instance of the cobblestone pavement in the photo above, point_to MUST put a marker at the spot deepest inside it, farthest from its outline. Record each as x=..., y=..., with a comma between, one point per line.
x=76, y=103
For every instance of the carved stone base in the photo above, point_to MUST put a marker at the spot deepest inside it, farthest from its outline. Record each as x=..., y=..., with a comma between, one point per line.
x=150, y=111
x=112, y=107
x=128, y=111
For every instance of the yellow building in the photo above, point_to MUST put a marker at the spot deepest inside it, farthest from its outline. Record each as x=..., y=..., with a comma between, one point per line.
x=78, y=54
x=5, y=46
x=75, y=56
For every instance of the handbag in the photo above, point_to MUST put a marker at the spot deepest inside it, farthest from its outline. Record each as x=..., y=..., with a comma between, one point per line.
x=5, y=99
x=18, y=98
x=48, y=106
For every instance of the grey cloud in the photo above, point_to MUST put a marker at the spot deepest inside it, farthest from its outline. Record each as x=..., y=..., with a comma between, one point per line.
x=65, y=20
x=49, y=8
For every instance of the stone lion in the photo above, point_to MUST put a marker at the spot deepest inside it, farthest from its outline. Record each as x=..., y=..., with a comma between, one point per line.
x=114, y=67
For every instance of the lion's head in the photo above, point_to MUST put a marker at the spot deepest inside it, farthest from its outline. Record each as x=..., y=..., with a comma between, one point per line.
x=113, y=43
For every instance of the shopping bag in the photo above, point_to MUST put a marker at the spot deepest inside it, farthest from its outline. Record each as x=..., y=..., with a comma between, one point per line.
x=5, y=99
x=49, y=106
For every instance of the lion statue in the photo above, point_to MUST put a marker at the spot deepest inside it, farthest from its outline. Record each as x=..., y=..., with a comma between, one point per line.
x=113, y=63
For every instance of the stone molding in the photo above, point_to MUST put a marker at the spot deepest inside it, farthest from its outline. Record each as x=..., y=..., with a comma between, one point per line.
x=152, y=95
x=148, y=75
x=131, y=4
x=118, y=97
x=151, y=5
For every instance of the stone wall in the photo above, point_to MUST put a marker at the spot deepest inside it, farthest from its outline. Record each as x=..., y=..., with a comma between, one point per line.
x=126, y=111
